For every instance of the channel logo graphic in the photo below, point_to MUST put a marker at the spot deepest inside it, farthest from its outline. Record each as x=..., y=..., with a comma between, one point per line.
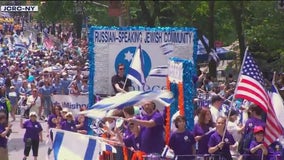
x=19, y=8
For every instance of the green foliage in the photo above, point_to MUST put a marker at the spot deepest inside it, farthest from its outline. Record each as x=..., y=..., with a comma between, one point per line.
x=262, y=23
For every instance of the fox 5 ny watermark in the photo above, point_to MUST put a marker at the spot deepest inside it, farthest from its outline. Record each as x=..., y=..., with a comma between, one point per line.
x=19, y=8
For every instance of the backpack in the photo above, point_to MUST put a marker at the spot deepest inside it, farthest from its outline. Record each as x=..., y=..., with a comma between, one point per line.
x=244, y=143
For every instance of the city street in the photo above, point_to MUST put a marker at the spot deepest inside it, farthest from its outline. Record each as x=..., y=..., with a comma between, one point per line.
x=16, y=144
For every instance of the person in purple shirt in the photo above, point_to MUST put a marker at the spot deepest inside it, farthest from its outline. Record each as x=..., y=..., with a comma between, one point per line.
x=182, y=141
x=203, y=130
x=53, y=121
x=69, y=124
x=255, y=119
x=32, y=136
x=152, y=135
x=4, y=131
x=257, y=147
x=220, y=146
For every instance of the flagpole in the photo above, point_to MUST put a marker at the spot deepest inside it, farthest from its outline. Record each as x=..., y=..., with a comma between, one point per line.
x=231, y=104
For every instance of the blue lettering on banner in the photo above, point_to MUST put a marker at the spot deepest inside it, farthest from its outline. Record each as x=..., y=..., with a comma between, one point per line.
x=178, y=37
x=71, y=105
x=142, y=37
x=129, y=37
x=153, y=37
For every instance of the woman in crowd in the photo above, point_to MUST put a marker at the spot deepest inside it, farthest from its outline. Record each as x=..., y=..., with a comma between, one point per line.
x=4, y=131
x=221, y=141
x=34, y=102
x=69, y=124
x=234, y=129
x=46, y=92
x=13, y=97
x=32, y=136
x=202, y=130
x=182, y=141
x=81, y=123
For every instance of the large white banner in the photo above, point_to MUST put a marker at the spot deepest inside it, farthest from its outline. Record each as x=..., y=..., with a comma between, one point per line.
x=72, y=102
x=111, y=46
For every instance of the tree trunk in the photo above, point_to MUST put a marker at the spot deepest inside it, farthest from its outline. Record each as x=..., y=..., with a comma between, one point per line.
x=237, y=14
x=146, y=13
x=212, y=64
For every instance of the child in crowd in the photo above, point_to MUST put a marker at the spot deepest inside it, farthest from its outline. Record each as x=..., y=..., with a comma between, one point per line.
x=182, y=140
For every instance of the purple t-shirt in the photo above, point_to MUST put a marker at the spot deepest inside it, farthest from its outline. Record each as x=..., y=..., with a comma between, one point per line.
x=49, y=121
x=258, y=153
x=215, y=139
x=84, y=126
x=203, y=142
x=132, y=141
x=68, y=126
x=152, y=139
x=3, y=140
x=182, y=143
x=251, y=122
x=32, y=129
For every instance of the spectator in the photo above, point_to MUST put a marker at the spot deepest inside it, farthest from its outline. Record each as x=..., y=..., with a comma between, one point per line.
x=118, y=81
x=4, y=131
x=46, y=93
x=34, y=102
x=215, y=107
x=12, y=95
x=32, y=136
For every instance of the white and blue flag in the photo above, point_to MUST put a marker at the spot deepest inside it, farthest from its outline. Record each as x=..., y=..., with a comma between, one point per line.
x=98, y=110
x=65, y=146
x=277, y=103
x=160, y=71
x=135, y=71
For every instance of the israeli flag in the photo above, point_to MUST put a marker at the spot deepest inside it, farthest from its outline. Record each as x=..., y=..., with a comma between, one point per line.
x=168, y=153
x=65, y=146
x=160, y=71
x=119, y=101
x=135, y=71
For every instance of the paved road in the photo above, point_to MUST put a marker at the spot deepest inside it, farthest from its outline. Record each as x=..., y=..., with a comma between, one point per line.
x=16, y=144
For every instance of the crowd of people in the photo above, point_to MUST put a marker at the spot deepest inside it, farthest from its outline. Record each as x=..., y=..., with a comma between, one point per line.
x=30, y=76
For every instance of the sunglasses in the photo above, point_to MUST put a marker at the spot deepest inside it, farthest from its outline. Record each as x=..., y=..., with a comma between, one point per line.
x=120, y=68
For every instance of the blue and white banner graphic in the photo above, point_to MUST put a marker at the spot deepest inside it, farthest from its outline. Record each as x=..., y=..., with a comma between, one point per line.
x=65, y=146
x=110, y=46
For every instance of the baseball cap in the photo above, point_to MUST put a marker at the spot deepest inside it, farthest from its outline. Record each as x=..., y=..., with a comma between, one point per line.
x=258, y=129
x=33, y=114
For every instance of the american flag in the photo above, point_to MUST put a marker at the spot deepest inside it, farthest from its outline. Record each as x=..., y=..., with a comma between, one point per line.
x=47, y=41
x=251, y=88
